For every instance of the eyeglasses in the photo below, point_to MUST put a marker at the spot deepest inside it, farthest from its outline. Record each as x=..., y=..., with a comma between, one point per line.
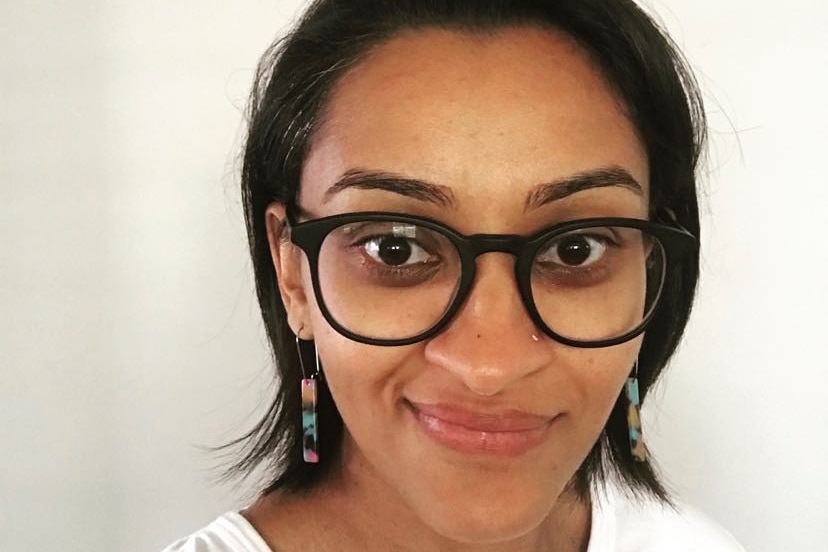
x=391, y=279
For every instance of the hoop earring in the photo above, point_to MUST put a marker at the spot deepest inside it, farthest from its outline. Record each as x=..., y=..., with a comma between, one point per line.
x=310, y=432
x=637, y=448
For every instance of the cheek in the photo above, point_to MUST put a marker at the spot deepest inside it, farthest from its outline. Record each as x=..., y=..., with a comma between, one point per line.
x=598, y=381
x=364, y=380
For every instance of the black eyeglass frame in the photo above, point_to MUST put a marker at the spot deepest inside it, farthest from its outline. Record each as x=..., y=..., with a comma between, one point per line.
x=309, y=236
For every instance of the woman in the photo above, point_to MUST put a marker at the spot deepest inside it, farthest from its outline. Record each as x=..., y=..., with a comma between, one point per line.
x=474, y=229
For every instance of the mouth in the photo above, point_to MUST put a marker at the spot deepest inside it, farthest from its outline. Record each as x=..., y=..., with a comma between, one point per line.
x=507, y=433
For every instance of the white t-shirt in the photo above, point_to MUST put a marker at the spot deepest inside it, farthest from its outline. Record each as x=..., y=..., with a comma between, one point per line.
x=618, y=525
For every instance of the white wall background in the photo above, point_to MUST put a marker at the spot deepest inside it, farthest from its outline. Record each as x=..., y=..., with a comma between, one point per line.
x=129, y=333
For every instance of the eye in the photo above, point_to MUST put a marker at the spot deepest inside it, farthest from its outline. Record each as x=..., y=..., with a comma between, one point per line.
x=395, y=251
x=574, y=250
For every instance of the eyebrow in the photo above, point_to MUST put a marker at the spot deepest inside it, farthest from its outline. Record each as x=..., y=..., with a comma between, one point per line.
x=579, y=182
x=443, y=196
x=377, y=180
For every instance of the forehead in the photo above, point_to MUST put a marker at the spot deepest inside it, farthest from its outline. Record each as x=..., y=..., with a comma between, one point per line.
x=487, y=114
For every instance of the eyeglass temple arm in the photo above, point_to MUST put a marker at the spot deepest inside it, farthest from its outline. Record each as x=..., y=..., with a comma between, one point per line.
x=669, y=217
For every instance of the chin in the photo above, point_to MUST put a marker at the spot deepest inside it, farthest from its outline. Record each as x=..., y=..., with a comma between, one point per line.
x=481, y=521
x=500, y=526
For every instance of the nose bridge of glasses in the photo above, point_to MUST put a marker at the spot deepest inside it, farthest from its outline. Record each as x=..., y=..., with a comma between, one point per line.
x=511, y=244
x=495, y=243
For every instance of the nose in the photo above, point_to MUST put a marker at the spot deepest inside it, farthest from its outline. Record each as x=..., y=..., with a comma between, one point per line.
x=491, y=343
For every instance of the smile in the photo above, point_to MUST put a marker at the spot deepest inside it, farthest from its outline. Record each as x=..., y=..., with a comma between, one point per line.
x=508, y=434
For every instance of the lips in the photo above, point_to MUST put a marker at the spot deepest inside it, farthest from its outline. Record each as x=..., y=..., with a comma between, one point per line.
x=497, y=433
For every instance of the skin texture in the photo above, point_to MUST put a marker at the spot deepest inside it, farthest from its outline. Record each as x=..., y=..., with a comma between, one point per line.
x=488, y=116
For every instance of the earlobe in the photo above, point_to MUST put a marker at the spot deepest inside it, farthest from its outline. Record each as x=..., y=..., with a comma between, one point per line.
x=287, y=262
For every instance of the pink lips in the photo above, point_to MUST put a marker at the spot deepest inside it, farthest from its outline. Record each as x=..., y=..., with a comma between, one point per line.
x=504, y=433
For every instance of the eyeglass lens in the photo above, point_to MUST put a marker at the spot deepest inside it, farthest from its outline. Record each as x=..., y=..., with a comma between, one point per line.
x=395, y=280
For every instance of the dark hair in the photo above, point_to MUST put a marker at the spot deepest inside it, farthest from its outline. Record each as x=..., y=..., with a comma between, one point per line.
x=293, y=82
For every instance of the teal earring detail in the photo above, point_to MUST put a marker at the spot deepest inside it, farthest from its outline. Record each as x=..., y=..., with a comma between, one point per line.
x=637, y=448
x=310, y=431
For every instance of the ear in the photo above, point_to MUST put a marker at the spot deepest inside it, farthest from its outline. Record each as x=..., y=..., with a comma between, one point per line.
x=287, y=260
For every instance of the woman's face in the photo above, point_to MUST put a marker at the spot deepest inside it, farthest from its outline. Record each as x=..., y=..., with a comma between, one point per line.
x=475, y=432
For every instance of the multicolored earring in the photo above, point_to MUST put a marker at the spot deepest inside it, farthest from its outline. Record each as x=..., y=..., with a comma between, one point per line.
x=310, y=432
x=637, y=448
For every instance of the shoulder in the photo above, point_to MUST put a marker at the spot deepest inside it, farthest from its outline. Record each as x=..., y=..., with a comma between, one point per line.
x=624, y=525
x=229, y=533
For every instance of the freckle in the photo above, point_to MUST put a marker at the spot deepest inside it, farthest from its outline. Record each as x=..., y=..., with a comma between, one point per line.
x=478, y=336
